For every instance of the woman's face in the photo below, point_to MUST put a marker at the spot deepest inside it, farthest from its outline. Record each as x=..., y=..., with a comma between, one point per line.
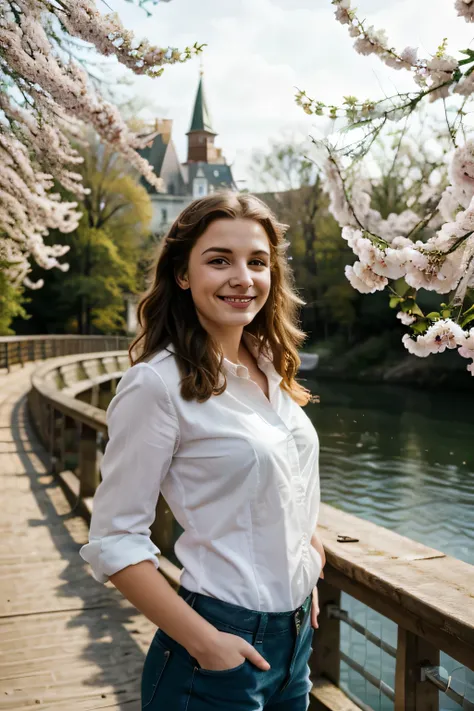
x=230, y=260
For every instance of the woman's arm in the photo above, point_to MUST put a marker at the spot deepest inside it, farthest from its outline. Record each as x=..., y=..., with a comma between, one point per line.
x=149, y=591
x=316, y=543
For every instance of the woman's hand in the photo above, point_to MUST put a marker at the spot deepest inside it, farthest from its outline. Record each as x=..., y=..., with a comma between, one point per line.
x=228, y=651
x=316, y=543
x=315, y=608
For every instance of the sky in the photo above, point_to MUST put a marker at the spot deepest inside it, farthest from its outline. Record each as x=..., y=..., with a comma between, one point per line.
x=259, y=51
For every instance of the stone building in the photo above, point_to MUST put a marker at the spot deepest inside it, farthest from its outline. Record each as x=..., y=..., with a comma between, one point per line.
x=204, y=171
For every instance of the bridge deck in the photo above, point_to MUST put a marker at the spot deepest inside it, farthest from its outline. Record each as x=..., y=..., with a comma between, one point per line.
x=66, y=641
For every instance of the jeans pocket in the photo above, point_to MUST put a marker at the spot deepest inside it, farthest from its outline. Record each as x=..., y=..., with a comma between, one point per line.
x=153, y=668
x=221, y=672
x=224, y=627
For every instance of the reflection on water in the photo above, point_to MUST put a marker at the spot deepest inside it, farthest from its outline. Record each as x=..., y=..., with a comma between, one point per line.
x=401, y=458
x=404, y=459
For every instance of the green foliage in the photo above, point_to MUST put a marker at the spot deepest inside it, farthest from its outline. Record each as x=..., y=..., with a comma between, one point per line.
x=103, y=259
x=468, y=317
x=11, y=303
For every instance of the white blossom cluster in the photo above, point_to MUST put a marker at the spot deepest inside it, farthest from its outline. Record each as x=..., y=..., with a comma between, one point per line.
x=465, y=8
x=443, y=263
x=443, y=334
x=437, y=74
x=45, y=100
x=108, y=35
x=358, y=211
x=369, y=40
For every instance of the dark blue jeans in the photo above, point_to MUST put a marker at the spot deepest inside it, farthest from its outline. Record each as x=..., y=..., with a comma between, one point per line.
x=173, y=680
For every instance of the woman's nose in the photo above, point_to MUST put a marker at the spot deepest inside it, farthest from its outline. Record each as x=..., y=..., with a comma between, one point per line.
x=241, y=277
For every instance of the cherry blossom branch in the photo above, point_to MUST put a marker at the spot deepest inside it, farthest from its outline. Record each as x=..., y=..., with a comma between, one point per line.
x=45, y=100
x=386, y=248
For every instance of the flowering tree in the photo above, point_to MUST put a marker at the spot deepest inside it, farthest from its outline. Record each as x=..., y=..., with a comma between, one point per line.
x=430, y=244
x=45, y=99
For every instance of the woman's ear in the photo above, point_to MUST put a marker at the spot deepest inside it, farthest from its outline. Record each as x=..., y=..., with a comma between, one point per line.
x=182, y=281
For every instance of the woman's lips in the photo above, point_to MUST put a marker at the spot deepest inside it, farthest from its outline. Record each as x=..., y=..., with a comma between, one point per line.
x=237, y=304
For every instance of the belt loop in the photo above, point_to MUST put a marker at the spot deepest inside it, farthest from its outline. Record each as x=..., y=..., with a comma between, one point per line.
x=262, y=624
x=191, y=598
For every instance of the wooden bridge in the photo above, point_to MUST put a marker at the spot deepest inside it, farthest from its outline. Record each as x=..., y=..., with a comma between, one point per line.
x=68, y=642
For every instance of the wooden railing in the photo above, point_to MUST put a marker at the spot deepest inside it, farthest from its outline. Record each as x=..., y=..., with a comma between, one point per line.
x=428, y=594
x=18, y=350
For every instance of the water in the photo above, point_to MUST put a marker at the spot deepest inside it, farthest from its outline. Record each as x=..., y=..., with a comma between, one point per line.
x=404, y=459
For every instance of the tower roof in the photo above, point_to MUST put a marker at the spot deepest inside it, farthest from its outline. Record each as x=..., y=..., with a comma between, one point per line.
x=201, y=120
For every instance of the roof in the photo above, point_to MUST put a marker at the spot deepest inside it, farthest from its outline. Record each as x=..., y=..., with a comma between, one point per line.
x=218, y=175
x=155, y=154
x=201, y=120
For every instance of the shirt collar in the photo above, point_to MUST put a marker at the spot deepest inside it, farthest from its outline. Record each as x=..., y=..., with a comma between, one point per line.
x=264, y=360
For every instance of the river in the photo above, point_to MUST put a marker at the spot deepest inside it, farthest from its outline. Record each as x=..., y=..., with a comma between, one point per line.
x=404, y=459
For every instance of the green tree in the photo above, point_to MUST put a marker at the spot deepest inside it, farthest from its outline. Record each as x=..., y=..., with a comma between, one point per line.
x=116, y=217
x=12, y=302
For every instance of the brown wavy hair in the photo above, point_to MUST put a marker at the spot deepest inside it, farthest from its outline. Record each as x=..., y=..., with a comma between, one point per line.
x=166, y=313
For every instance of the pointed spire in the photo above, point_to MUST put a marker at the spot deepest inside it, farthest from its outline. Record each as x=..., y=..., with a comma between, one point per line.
x=201, y=120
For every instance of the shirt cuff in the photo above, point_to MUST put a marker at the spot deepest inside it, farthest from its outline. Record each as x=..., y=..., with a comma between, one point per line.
x=110, y=554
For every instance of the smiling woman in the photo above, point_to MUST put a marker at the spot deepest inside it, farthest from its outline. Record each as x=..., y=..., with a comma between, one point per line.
x=222, y=248
x=209, y=415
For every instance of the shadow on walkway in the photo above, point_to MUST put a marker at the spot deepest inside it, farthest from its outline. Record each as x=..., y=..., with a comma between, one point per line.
x=66, y=640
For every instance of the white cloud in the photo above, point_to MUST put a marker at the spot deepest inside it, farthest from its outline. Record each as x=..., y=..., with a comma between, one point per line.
x=259, y=50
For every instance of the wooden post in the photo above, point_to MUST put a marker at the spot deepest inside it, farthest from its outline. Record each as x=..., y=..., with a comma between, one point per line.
x=61, y=440
x=325, y=659
x=7, y=360
x=70, y=444
x=88, y=471
x=413, y=652
x=94, y=395
x=52, y=439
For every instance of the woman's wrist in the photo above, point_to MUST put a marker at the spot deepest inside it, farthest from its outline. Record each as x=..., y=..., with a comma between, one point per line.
x=200, y=640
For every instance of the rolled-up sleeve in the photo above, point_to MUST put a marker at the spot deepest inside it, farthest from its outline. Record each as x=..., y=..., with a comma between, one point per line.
x=143, y=434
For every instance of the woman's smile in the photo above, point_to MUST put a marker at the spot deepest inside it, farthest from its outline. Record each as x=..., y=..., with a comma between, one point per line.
x=237, y=302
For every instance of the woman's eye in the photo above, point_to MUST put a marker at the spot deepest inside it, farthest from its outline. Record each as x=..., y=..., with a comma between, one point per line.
x=221, y=259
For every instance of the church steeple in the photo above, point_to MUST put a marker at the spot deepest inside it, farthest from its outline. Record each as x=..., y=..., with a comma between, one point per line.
x=201, y=135
x=201, y=120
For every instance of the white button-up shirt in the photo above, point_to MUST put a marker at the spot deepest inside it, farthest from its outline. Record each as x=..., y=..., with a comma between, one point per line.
x=239, y=473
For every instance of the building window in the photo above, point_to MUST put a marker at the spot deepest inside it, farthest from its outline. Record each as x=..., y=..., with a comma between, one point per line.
x=201, y=139
x=171, y=189
x=201, y=190
x=164, y=214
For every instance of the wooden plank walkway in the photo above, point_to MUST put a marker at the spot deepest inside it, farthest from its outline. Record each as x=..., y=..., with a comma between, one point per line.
x=66, y=641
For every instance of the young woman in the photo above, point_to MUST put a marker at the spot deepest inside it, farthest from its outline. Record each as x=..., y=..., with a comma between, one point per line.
x=210, y=414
